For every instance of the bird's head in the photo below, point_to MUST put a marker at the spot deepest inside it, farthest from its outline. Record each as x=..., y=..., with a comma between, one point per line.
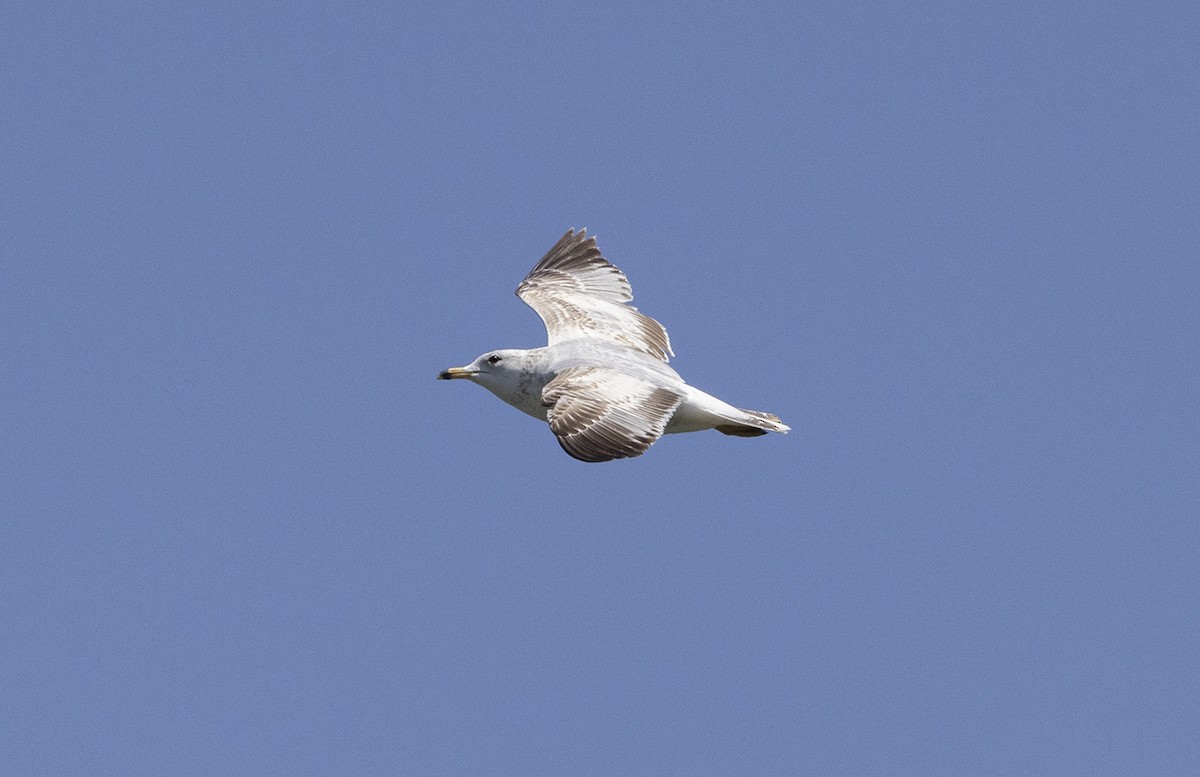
x=490, y=369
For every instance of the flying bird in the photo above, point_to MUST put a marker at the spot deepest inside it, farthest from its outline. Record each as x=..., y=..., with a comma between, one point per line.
x=602, y=382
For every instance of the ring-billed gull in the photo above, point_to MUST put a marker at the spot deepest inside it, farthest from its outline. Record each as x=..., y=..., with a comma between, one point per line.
x=602, y=382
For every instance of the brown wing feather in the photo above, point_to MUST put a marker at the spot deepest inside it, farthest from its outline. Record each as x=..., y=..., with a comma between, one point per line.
x=599, y=414
x=577, y=293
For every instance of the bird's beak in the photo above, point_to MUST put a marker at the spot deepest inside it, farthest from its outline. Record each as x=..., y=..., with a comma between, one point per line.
x=455, y=372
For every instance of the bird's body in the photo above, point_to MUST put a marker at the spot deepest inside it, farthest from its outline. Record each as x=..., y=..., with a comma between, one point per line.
x=531, y=369
x=603, y=382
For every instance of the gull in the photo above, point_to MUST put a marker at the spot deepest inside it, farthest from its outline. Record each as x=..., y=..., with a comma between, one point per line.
x=602, y=382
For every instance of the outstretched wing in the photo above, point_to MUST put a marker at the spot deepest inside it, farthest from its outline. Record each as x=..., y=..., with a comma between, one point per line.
x=599, y=414
x=579, y=294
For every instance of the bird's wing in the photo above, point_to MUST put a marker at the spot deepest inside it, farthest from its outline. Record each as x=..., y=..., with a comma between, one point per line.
x=579, y=294
x=599, y=414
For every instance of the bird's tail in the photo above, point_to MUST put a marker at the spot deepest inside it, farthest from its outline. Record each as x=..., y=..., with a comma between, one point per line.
x=754, y=423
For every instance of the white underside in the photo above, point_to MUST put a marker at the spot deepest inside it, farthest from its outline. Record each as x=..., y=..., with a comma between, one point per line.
x=700, y=411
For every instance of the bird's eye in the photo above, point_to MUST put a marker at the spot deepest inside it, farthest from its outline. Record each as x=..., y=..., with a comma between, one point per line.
x=493, y=359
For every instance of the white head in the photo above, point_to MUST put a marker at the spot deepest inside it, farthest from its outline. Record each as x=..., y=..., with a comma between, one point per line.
x=508, y=373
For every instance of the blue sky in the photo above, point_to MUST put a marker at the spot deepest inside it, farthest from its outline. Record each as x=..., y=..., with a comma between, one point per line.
x=953, y=245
